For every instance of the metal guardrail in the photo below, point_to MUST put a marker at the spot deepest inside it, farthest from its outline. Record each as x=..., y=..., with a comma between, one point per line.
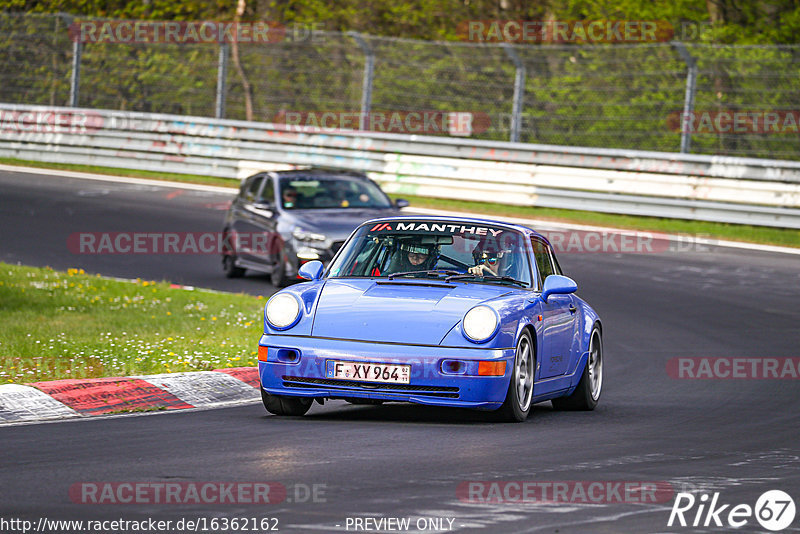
x=723, y=189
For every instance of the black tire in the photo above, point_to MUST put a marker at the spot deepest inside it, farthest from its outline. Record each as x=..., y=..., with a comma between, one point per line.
x=514, y=409
x=280, y=405
x=230, y=268
x=229, y=258
x=587, y=393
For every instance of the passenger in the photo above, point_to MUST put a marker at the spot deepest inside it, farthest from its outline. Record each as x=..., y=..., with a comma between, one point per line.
x=493, y=263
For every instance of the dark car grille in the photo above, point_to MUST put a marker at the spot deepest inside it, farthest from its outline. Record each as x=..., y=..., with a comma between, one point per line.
x=349, y=385
x=336, y=246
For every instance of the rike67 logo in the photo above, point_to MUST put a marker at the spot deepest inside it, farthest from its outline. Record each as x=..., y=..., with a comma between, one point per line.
x=774, y=510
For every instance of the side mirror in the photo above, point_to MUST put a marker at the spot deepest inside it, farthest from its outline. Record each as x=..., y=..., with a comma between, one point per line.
x=264, y=206
x=311, y=270
x=401, y=203
x=558, y=285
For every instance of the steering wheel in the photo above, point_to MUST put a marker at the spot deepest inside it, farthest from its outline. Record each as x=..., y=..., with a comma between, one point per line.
x=455, y=262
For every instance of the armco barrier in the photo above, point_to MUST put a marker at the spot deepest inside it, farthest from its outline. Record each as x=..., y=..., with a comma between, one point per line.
x=723, y=189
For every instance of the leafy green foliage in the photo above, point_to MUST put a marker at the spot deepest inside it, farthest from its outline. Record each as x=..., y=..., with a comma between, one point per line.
x=613, y=95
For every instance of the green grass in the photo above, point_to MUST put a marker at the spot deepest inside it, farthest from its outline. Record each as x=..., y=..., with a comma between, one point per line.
x=711, y=230
x=74, y=325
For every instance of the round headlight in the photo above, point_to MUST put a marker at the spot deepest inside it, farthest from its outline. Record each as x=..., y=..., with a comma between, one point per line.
x=480, y=323
x=282, y=310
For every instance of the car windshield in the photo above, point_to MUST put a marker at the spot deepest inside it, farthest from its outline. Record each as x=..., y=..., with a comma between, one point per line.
x=315, y=192
x=463, y=251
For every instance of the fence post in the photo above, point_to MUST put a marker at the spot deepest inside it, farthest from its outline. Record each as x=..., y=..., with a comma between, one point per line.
x=222, y=80
x=688, y=101
x=75, y=79
x=519, y=91
x=366, y=88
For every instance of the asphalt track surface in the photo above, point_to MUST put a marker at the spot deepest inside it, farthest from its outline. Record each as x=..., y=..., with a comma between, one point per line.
x=736, y=437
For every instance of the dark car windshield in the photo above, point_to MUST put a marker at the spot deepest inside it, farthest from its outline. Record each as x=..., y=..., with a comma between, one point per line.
x=435, y=250
x=319, y=192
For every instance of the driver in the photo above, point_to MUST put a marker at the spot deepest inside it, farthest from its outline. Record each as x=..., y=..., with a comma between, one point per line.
x=414, y=255
x=289, y=197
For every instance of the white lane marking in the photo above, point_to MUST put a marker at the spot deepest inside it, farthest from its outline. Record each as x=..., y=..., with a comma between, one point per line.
x=517, y=220
x=25, y=403
x=123, y=180
x=596, y=519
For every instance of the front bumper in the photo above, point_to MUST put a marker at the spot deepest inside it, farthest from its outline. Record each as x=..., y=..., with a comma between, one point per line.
x=296, y=366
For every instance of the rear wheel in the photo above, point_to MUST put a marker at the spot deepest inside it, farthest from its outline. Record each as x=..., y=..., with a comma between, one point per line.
x=519, y=398
x=280, y=405
x=587, y=393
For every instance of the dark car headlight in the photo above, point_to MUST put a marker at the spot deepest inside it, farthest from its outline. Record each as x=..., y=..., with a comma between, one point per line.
x=305, y=235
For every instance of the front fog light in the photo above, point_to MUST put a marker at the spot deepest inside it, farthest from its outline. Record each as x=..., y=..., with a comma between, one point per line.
x=480, y=323
x=283, y=310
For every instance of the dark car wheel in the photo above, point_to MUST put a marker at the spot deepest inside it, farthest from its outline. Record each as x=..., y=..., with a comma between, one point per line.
x=518, y=401
x=587, y=393
x=229, y=258
x=278, y=275
x=279, y=405
x=230, y=268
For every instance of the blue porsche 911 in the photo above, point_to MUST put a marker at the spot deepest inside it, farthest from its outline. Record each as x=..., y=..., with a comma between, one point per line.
x=442, y=311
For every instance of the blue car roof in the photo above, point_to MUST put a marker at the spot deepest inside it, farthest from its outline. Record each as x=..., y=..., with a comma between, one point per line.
x=448, y=218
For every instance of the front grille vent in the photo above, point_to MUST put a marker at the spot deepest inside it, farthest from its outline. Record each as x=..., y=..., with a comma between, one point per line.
x=344, y=385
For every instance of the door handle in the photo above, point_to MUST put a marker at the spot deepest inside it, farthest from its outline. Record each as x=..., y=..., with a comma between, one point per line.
x=572, y=308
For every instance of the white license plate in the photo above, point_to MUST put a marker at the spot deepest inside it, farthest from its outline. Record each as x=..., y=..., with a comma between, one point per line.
x=368, y=372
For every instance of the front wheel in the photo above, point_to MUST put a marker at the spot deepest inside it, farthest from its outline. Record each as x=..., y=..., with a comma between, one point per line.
x=587, y=393
x=280, y=405
x=278, y=275
x=229, y=257
x=518, y=403
x=230, y=268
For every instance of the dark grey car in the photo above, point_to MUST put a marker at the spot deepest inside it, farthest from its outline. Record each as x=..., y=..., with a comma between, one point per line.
x=282, y=219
